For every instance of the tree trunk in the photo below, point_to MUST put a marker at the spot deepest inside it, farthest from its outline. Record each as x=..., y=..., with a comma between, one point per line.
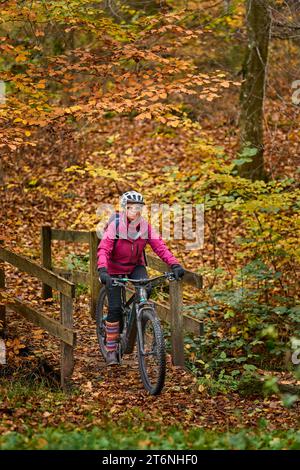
x=253, y=88
x=150, y=7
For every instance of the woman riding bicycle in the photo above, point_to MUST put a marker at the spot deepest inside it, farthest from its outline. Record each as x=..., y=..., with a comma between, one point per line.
x=121, y=251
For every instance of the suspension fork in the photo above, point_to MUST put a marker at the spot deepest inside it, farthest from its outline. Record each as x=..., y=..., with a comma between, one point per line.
x=139, y=327
x=140, y=307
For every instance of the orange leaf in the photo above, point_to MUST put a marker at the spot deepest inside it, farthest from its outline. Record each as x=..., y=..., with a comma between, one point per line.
x=144, y=116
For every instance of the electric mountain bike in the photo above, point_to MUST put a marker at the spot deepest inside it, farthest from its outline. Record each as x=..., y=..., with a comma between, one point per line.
x=140, y=324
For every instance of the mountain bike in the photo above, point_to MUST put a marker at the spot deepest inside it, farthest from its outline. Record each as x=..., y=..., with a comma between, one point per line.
x=140, y=324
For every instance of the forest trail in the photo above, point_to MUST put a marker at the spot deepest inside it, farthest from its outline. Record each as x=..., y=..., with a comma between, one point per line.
x=101, y=394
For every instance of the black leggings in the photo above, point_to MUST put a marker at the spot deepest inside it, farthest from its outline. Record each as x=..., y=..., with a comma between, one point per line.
x=114, y=293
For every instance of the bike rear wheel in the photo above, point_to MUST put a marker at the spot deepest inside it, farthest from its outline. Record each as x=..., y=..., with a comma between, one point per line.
x=151, y=352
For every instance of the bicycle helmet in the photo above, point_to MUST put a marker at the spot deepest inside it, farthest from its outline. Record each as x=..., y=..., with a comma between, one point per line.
x=132, y=197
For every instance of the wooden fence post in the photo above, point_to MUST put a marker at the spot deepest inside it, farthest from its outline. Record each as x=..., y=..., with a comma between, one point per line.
x=94, y=278
x=46, y=257
x=66, y=351
x=2, y=305
x=177, y=344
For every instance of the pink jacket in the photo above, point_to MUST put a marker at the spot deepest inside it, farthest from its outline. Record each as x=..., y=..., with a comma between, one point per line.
x=128, y=252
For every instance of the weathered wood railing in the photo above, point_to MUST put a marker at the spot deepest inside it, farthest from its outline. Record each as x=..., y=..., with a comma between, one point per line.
x=62, y=329
x=173, y=314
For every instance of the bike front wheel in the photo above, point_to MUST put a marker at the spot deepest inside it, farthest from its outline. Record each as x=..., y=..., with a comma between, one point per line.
x=151, y=352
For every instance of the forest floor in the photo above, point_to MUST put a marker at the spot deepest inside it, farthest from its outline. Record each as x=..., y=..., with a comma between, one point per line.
x=100, y=396
x=114, y=398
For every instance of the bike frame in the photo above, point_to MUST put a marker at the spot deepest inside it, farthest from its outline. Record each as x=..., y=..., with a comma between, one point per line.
x=140, y=303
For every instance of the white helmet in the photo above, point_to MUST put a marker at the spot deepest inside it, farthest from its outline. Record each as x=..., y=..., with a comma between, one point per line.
x=132, y=197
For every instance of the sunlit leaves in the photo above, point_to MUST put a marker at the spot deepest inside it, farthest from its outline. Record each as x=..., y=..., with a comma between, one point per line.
x=95, y=171
x=103, y=68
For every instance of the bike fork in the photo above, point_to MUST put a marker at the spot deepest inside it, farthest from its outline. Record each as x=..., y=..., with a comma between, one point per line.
x=139, y=328
x=140, y=334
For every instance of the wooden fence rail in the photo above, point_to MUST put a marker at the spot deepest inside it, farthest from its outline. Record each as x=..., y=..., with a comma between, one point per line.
x=173, y=314
x=62, y=329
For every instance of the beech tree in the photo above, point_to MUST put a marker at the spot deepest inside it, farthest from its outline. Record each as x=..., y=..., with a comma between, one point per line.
x=93, y=66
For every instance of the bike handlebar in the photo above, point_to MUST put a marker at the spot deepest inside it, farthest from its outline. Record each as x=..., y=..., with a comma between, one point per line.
x=122, y=281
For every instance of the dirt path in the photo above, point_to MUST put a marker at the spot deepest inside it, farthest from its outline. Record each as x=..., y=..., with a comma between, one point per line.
x=102, y=395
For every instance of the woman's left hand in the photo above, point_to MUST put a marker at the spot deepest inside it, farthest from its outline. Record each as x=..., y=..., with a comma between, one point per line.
x=178, y=271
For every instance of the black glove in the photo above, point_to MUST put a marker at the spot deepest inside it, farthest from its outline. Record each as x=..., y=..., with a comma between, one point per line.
x=178, y=271
x=105, y=277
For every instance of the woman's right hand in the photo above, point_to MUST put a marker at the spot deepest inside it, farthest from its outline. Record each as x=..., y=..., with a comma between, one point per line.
x=105, y=277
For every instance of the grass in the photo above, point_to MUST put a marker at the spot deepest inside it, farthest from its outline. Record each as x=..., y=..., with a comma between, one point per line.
x=128, y=437
x=36, y=397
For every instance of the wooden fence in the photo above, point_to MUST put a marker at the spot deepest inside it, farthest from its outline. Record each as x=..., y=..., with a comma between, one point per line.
x=64, y=282
x=62, y=329
x=173, y=314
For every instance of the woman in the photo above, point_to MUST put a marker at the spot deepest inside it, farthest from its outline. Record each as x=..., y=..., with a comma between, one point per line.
x=124, y=255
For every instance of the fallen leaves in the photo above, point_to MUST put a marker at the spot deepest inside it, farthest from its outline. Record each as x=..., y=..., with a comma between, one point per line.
x=144, y=116
x=14, y=346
